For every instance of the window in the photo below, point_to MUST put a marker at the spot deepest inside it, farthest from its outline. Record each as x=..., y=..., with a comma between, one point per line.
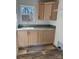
x=27, y=13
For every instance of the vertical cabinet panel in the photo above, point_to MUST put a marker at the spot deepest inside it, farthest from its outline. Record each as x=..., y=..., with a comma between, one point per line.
x=40, y=37
x=54, y=11
x=46, y=36
x=47, y=11
x=33, y=38
x=22, y=38
x=50, y=36
x=41, y=11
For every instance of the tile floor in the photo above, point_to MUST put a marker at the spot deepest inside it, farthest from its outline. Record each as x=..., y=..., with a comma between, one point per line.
x=43, y=54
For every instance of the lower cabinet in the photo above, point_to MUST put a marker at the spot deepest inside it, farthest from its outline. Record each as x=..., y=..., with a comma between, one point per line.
x=35, y=37
x=46, y=36
x=22, y=38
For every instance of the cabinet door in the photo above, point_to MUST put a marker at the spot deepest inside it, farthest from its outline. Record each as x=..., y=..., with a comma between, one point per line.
x=47, y=11
x=54, y=11
x=41, y=11
x=41, y=37
x=49, y=36
x=22, y=38
x=46, y=36
x=33, y=37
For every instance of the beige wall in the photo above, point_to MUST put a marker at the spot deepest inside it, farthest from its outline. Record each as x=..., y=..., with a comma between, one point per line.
x=59, y=26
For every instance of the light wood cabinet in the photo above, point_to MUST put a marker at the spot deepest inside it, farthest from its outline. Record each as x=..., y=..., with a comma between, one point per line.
x=48, y=10
x=22, y=38
x=27, y=38
x=35, y=37
x=41, y=11
x=46, y=36
x=54, y=11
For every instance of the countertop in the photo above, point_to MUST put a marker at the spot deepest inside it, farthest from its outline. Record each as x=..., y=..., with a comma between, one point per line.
x=36, y=27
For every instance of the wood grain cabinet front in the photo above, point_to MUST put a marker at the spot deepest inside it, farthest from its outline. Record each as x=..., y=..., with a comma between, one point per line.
x=46, y=36
x=27, y=38
x=22, y=38
x=48, y=10
x=35, y=37
x=41, y=11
